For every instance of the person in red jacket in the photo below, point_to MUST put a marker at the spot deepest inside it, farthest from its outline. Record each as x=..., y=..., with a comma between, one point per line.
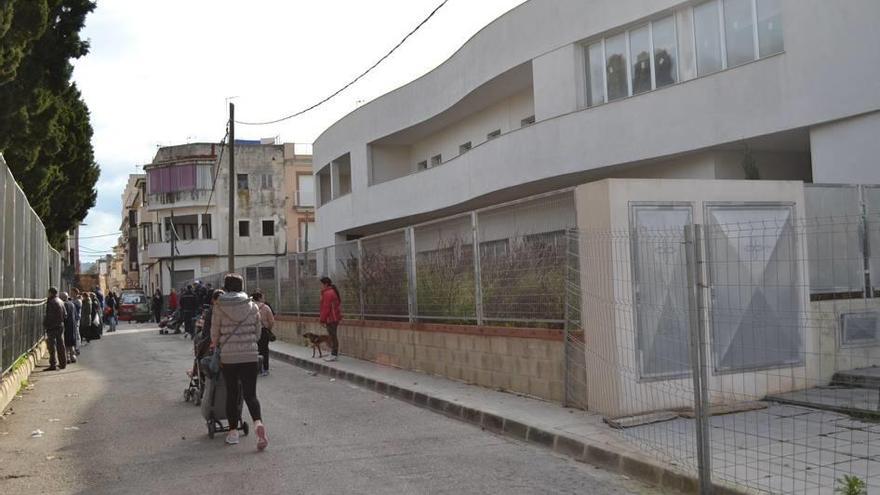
x=331, y=314
x=172, y=301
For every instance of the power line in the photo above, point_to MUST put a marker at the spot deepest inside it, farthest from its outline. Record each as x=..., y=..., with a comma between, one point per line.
x=358, y=78
x=96, y=236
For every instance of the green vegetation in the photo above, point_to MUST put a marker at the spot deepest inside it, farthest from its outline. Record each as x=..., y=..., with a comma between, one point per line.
x=851, y=485
x=45, y=129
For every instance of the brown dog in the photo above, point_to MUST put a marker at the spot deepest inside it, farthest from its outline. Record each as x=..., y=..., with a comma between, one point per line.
x=316, y=341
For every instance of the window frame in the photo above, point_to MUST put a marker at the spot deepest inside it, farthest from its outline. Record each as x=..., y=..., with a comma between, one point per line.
x=247, y=224
x=263, y=223
x=465, y=147
x=247, y=183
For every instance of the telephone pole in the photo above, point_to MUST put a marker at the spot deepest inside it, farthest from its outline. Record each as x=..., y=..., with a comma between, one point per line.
x=232, y=184
x=173, y=234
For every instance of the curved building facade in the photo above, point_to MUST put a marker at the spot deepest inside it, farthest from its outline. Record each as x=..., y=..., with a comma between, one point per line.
x=557, y=93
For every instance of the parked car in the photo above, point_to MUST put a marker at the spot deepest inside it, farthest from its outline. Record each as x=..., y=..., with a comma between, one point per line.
x=134, y=306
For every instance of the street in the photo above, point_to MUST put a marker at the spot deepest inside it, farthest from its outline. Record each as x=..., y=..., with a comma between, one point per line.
x=116, y=422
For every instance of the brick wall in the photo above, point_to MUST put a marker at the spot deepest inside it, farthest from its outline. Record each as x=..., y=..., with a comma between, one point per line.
x=527, y=361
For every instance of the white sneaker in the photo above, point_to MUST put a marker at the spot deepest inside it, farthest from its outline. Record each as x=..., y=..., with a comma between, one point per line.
x=232, y=438
x=330, y=359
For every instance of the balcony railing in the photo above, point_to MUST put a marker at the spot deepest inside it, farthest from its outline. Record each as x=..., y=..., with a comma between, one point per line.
x=194, y=196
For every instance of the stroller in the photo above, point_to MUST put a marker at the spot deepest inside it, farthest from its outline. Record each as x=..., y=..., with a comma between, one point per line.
x=196, y=387
x=171, y=323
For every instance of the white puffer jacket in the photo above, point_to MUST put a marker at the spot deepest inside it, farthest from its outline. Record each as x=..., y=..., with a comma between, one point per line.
x=231, y=310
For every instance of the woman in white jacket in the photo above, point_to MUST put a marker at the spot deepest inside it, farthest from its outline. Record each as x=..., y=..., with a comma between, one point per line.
x=235, y=329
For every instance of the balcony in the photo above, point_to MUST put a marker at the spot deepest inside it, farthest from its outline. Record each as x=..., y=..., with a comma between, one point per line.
x=197, y=247
x=178, y=199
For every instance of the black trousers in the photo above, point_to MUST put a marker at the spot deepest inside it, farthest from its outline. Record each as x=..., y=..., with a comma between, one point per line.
x=334, y=340
x=246, y=374
x=263, y=348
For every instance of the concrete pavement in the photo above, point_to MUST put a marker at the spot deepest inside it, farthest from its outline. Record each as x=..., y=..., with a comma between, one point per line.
x=116, y=423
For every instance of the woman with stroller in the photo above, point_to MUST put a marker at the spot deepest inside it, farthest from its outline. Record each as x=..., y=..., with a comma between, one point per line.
x=235, y=329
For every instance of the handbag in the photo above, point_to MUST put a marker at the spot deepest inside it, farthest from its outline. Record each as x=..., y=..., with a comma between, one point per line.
x=270, y=335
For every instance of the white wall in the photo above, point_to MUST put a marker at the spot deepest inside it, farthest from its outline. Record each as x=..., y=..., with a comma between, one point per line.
x=847, y=151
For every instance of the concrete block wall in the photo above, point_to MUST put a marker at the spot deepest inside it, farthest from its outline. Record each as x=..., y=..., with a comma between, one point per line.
x=526, y=361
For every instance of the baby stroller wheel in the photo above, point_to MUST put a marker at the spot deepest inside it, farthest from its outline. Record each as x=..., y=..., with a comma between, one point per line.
x=245, y=428
x=212, y=428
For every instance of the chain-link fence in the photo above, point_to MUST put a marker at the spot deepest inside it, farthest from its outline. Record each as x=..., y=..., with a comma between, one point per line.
x=27, y=267
x=432, y=273
x=738, y=342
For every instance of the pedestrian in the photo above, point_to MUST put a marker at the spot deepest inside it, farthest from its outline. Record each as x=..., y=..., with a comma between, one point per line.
x=99, y=294
x=267, y=322
x=77, y=305
x=331, y=315
x=189, y=306
x=97, y=326
x=235, y=329
x=85, y=318
x=172, y=301
x=112, y=306
x=53, y=322
x=156, y=305
x=70, y=324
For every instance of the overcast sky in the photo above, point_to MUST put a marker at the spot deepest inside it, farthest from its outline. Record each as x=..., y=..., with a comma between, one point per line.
x=159, y=72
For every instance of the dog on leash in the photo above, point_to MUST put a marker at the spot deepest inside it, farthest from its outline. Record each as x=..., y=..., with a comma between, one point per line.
x=316, y=340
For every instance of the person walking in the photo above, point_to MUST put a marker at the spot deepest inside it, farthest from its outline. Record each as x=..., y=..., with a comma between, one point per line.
x=331, y=315
x=267, y=322
x=189, y=306
x=85, y=318
x=53, y=322
x=70, y=324
x=97, y=321
x=156, y=305
x=235, y=329
x=112, y=307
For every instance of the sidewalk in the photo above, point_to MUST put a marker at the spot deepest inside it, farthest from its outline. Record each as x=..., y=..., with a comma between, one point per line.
x=575, y=433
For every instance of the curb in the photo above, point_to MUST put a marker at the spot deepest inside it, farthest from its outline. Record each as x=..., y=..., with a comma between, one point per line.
x=639, y=467
x=11, y=382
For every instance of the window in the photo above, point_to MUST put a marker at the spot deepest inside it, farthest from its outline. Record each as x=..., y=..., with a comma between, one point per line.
x=242, y=182
x=595, y=65
x=615, y=67
x=206, y=226
x=665, y=52
x=708, y=38
x=268, y=228
x=527, y=121
x=436, y=160
x=494, y=134
x=244, y=228
x=464, y=148
x=769, y=27
x=739, y=32
x=640, y=54
x=422, y=165
x=305, y=190
x=266, y=181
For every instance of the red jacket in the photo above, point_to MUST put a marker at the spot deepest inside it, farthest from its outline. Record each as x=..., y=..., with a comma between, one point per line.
x=330, y=311
x=172, y=301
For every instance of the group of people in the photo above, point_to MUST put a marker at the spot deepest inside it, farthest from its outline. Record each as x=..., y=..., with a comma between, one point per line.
x=73, y=319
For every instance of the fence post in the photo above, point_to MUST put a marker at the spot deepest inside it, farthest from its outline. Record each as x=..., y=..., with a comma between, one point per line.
x=411, y=280
x=361, y=292
x=297, y=270
x=278, y=282
x=478, y=279
x=696, y=285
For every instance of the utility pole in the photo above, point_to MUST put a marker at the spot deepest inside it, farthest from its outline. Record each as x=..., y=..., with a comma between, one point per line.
x=232, y=186
x=173, y=234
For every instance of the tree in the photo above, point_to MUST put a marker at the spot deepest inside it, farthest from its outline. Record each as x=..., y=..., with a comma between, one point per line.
x=45, y=129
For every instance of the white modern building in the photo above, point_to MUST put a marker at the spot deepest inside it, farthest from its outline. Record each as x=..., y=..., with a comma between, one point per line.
x=560, y=94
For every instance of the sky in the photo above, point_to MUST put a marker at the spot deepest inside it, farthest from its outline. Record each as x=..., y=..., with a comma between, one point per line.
x=160, y=73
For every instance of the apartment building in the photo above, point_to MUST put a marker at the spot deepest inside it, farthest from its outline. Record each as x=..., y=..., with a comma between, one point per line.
x=300, y=186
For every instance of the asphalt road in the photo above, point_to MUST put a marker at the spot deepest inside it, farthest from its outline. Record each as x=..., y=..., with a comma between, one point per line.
x=116, y=423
